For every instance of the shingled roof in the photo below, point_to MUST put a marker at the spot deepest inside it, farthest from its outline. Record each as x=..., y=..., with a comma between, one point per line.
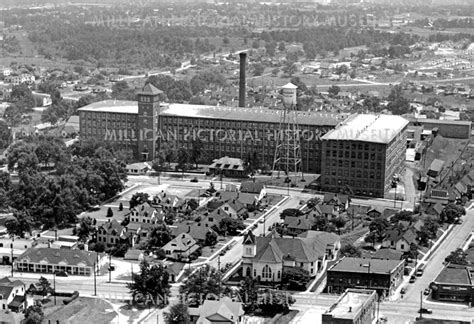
x=55, y=256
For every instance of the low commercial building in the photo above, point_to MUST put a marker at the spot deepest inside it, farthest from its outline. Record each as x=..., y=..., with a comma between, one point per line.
x=355, y=306
x=384, y=276
x=47, y=260
x=454, y=283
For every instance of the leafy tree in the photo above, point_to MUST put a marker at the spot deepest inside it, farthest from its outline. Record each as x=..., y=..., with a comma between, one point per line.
x=295, y=278
x=86, y=229
x=403, y=215
x=151, y=282
x=230, y=226
x=159, y=236
x=339, y=222
x=5, y=135
x=183, y=159
x=138, y=199
x=334, y=90
x=196, y=151
x=258, y=69
x=291, y=212
x=427, y=232
x=379, y=228
x=321, y=224
x=17, y=151
x=211, y=238
x=270, y=48
x=255, y=44
x=451, y=213
x=34, y=314
x=310, y=50
x=110, y=213
x=275, y=71
x=398, y=104
x=225, y=41
x=205, y=281
x=289, y=69
x=5, y=180
x=281, y=46
x=20, y=225
x=351, y=251
x=44, y=286
x=413, y=252
x=13, y=114
x=458, y=256
x=248, y=291
x=273, y=302
x=178, y=314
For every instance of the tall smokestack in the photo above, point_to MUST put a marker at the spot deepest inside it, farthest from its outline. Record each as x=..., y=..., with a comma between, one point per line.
x=243, y=59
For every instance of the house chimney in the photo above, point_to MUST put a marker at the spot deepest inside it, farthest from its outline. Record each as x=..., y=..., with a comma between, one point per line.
x=243, y=59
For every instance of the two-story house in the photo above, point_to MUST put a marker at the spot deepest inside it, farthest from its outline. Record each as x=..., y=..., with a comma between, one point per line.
x=12, y=295
x=181, y=247
x=400, y=240
x=221, y=311
x=112, y=233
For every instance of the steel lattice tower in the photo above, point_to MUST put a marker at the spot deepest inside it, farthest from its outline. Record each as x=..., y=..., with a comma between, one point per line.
x=288, y=148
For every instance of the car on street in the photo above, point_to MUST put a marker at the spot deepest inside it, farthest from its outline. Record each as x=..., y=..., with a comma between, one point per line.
x=61, y=274
x=425, y=311
x=412, y=279
x=427, y=291
x=261, y=221
x=194, y=180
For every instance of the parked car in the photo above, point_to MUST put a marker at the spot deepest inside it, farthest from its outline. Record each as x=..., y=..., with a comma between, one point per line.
x=412, y=279
x=61, y=274
x=427, y=291
x=425, y=311
x=419, y=271
x=194, y=179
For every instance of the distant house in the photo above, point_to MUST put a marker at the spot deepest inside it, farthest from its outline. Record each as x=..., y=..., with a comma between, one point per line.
x=47, y=260
x=181, y=247
x=228, y=167
x=399, y=240
x=224, y=310
x=435, y=168
x=340, y=201
x=257, y=188
x=196, y=231
x=112, y=233
x=330, y=240
x=138, y=168
x=13, y=295
x=234, y=208
x=298, y=225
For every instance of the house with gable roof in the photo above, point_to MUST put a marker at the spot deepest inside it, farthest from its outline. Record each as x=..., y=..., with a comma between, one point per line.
x=111, y=233
x=181, y=247
x=265, y=258
x=224, y=310
x=12, y=294
x=399, y=240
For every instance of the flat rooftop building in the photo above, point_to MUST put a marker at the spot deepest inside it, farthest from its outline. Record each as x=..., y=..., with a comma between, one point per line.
x=384, y=276
x=354, y=306
x=143, y=127
x=365, y=153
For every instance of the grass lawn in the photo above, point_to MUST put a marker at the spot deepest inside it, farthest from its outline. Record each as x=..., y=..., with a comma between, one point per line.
x=81, y=310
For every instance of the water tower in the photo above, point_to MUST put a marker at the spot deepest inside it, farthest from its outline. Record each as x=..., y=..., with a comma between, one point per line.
x=288, y=149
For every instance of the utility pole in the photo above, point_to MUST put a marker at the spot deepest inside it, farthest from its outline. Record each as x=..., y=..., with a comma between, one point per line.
x=421, y=304
x=110, y=267
x=54, y=286
x=95, y=273
x=11, y=245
